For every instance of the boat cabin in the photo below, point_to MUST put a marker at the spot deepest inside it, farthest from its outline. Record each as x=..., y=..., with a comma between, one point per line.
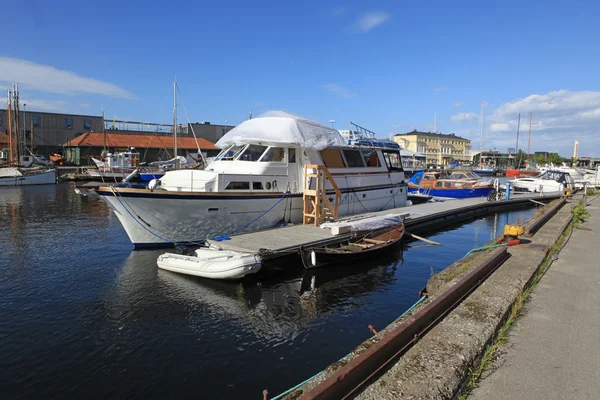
x=268, y=154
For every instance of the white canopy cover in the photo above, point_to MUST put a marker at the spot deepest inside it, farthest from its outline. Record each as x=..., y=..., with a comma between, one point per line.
x=279, y=128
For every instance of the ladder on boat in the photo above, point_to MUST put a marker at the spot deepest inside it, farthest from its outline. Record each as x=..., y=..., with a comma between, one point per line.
x=317, y=205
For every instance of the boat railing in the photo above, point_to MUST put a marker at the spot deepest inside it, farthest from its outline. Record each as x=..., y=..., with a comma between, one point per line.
x=317, y=206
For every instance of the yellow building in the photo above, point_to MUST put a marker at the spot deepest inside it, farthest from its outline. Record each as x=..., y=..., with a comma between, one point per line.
x=440, y=149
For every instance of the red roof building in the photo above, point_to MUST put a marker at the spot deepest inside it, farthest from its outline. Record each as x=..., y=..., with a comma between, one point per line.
x=151, y=146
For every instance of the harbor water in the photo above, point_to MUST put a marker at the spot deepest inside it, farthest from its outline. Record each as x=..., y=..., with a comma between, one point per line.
x=81, y=314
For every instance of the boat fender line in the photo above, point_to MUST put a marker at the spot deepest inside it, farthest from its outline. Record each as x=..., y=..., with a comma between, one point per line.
x=227, y=236
x=116, y=193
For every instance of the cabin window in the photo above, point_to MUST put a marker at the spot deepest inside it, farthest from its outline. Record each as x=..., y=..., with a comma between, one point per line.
x=448, y=184
x=292, y=155
x=429, y=178
x=353, y=158
x=393, y=161
x=257, y=186
x=274, y=154
x=230, y=153
x=238, y=186
x=438, y=184
x=332, y=158
x=371, y=158
x=252, y=153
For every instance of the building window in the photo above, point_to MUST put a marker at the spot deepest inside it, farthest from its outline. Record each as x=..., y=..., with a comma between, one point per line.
x=69, y=123
x=223, y=131
x=87, y=124
x=1, y=120
x=36, y=120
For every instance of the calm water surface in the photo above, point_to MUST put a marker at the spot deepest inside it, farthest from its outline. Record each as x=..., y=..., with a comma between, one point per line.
x=81, y=314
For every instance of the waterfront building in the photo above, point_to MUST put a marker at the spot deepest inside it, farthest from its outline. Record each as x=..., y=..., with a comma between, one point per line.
x=151, y=146
x=490, y=157
x=439, y=148
x=50, y=131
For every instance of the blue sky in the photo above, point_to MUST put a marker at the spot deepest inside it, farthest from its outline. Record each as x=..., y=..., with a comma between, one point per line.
x=386, y=65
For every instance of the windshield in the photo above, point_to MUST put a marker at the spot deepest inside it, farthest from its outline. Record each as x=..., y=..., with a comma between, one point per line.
x=229, y=153
x=252, y=153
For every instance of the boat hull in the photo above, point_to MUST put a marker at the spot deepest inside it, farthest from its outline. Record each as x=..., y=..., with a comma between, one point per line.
x=212, y=264
x=484, y=172
x=454, y=193
x=321, y=257
x=148, y=176
x=39, y=178
x=161, y=218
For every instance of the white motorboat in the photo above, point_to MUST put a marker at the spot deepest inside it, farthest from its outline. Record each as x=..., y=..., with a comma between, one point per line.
x=576, y=174
x=257, y=181
x=211, y=263
x=548, y=181
x=592, y=177
x=115, y=165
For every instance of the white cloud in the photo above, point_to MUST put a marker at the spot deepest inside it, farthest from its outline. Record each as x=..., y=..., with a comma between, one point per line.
x=46, y=78
x=457, y=104
x=439, y=89
x=339, y=90
x=370, y=20
x=559, y=118
x=468, y=116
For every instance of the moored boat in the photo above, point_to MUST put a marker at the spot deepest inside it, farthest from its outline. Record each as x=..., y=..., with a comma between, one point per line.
x=548, y=181
x=211, y=263
x=439, y=185
x=257, y=181
x=359, y=247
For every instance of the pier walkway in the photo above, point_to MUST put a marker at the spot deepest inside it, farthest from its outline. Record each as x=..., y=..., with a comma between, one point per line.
x=427, y=216
x=552, y=350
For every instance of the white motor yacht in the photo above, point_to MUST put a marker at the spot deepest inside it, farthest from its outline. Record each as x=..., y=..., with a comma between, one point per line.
x=257, y=182
x=548, y=181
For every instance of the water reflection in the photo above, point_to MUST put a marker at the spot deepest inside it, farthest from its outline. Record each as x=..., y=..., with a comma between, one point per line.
x=86, y=315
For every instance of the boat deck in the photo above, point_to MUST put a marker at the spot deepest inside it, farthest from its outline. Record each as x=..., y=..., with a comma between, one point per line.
x=422, y=217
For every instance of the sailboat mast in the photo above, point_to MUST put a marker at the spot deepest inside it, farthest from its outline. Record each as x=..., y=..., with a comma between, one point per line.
x=517, y=145
x=10, y=131
x=529, y=138
x=481, y=138
x=175, y=118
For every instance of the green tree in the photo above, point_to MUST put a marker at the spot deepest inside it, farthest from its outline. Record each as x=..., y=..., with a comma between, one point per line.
x=555, y=159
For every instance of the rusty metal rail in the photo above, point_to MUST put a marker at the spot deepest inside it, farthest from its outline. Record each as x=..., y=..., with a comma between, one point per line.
x=535, y=225
x=347, y=379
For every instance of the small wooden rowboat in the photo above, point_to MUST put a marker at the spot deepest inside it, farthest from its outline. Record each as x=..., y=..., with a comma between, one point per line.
x=363, y=246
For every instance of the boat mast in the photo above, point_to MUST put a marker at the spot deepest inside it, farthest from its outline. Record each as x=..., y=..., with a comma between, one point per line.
x=517, y=145
x=481, y=136
x=10, y=132
x=175, y=121
x=529, y=138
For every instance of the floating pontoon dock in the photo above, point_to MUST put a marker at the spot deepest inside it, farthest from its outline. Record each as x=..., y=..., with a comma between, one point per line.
x=279, y=242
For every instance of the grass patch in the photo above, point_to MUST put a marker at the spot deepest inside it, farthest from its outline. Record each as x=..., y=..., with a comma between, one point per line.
x=501, y=337
x=592, y=191
x=580, y=214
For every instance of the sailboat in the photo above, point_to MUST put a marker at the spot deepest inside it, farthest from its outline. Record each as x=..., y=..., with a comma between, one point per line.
x=522, y=172
x=157, y=169
x=20, y=166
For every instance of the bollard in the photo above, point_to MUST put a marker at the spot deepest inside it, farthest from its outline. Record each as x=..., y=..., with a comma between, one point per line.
x=585, y=185
x=507, y=190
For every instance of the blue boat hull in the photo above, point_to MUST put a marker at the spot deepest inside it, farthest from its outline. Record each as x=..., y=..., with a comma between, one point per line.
x=150, y=175
x=484, y=172
x=455, y=193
